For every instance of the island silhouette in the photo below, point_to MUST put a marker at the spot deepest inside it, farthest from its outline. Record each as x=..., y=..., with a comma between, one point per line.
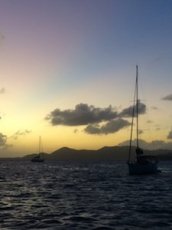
x=106, y=153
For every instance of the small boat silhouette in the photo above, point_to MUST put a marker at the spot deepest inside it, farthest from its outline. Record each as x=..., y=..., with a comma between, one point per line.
x=38, y=158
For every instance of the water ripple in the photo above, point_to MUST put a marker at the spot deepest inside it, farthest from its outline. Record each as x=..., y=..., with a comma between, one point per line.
x=83, y=195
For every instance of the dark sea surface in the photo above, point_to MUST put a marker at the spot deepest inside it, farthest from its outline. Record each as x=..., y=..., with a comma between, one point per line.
x=83, y=195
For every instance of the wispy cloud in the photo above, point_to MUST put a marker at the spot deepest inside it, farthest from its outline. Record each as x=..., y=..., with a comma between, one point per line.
x=149, y=121
x=168, y=97
x=141, y=131
x=154, y=108
x=3, y=142
x=3, y=139
x=2, y=90
x=153, y=145
x=20, y=133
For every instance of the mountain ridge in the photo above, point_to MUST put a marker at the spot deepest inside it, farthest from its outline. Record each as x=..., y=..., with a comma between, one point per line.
x=104, y=153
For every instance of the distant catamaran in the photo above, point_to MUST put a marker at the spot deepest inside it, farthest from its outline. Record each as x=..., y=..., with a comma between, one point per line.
x=143, y=164
x=38, y=158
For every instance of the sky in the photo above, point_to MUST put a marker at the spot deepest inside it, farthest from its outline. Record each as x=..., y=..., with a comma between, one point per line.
x=67, y=73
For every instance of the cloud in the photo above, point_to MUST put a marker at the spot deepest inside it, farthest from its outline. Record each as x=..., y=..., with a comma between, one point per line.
x=3, y=139
x=153, y=145
x=154, y=108
x=149, y=121
x=75, y=130
x=3, y=142
x=83, y=114
x=170, y=135
x=168, y=97
x=140, y=131
x=127, y=112
x=2, y=90
x=92, y=117
x=20, y=133
x=110, y=127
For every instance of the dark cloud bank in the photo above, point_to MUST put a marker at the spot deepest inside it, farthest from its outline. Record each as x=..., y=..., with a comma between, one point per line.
x=110, y=127
x=83, y=114
x=93, y=117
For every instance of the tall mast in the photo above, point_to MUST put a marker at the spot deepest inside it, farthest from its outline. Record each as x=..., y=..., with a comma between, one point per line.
x=137, y=108
x=134, y=111
x=39, y=144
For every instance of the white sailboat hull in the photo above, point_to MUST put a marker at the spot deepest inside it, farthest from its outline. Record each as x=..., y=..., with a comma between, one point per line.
x=142, y=169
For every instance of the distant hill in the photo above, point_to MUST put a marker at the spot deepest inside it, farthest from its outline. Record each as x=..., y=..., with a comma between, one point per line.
x=105, y=153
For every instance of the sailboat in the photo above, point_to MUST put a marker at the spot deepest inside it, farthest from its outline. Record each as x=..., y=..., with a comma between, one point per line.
x=38, y=158
x=142, y=164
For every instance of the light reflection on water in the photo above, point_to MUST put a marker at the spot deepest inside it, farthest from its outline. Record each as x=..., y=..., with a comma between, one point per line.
x=83, y=195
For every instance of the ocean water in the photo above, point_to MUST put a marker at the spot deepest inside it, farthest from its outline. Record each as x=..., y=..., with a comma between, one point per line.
x=83, y=195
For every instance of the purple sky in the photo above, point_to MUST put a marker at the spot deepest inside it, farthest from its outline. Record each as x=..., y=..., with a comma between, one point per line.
x=57, y=54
